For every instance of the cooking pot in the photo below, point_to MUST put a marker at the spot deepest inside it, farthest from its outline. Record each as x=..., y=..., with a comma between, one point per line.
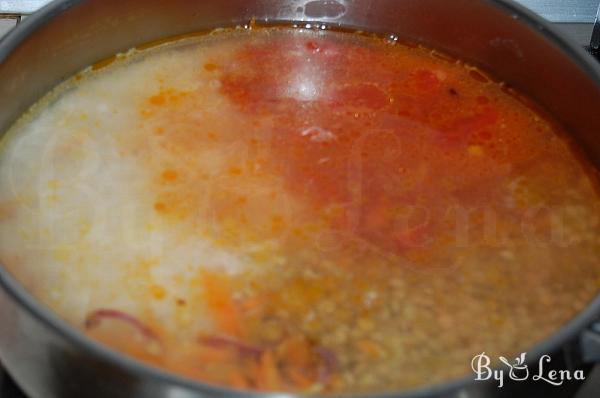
x=48, y=358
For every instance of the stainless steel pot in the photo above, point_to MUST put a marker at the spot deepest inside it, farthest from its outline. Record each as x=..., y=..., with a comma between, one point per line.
x=50, y=359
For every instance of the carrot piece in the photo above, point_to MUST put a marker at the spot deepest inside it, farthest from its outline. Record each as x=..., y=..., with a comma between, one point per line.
x=218, y=298
x=297, y=352
x=268, y=377
x=215, y=355
x=238, y=380
x=299, y=379
x=254, y=303
x=369, y=348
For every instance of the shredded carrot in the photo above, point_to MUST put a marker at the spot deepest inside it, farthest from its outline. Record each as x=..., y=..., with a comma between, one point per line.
x=218, y=298
x=299, y=379
x=369, y=348
x=268, y=377
x=214, y=355
x=297, y=352
x=238, y=380
x=254, y=303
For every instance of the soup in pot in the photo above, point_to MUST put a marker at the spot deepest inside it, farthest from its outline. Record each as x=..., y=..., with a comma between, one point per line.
x=283, y=209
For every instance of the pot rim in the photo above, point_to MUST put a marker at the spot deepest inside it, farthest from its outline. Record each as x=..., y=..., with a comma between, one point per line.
x=60, y=327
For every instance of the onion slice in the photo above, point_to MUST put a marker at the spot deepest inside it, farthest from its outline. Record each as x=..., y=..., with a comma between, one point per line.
x=329, y=364
x=95, y=318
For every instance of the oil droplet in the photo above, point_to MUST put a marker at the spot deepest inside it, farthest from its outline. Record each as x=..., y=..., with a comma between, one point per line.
x=160, y=207
x=158, y=292
x=210, y=67
x=169, y=176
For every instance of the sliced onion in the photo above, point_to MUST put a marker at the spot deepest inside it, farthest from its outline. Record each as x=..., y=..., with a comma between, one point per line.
x=329, y=364
x=95, y=318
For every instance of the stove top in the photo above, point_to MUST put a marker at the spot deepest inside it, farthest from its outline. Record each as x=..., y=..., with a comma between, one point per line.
x=575, y=17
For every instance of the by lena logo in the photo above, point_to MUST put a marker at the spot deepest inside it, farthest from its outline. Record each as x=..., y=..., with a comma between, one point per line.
x=518, y=370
